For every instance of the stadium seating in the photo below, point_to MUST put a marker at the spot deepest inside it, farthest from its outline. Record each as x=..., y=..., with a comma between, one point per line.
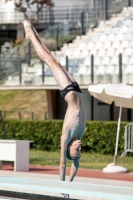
x=105, y=42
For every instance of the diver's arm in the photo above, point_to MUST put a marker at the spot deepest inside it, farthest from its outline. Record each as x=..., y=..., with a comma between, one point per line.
x=74, y=169
x=63, y=159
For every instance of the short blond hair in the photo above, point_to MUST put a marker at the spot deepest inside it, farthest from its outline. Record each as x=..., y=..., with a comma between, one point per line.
x=72, y=154
x=72, y=157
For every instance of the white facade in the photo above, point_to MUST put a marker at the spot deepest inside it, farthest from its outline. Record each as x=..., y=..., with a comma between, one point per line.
x=6, y=10
x=70, y=3
x=9, y=15
x=57, y=3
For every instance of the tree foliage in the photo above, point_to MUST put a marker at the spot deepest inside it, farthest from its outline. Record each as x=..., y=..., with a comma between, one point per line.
x=99, y=136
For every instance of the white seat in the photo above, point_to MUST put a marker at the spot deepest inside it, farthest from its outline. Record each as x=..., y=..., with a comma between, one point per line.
x=130, y=29
x=127, y=22
x=93, y=52
x=130, y=61
x=128, y=36
x=124, y=44
x=97, y=61
x=110, y=69
x=131, y=44
x=124, y=29
x=99, y=45
x=128, y=69
x=100, y=70
x=125, y=60
x=99, y=74
x=76, y=54
x=110, y=52
x=68, y=53
x=114, y=60
x=118, y=51
x=88, y=71
x=115, y=30
x=128, y=74
x=120, y=37
x=24, y=67
x=39, y=72
x=39, y=66
x=128, y=52
x=90, y=45
x=101, y=53
x=87, y=61
x=95, y=38
x=116, y=70
x=82, y=70
x=84, y=53
x=111, y=37
x=105, y=61
x=116, y=44
x=103, y=38
x=119, y=23
x=107, y=31
x=82, y=46
x=63, y=61
x=107, y=45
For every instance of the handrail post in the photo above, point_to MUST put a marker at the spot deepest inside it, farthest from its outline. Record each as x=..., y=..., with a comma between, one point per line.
x=92, y=68
x=67, y=63
x=29, y=51
x=82, y=23
x=20, y=70
x=120, y=68
x=32, y=115
x=19, y=115
x=106, y=9
x=129, y=3
x=92, y=81
x=57, y=38
x=43, y=65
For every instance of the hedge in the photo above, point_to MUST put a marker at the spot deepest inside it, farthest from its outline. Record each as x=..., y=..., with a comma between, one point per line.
x=99, y=136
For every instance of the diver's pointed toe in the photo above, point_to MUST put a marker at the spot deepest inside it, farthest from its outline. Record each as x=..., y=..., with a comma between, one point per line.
x=26, y=23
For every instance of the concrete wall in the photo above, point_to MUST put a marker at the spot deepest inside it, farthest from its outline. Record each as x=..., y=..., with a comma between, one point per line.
x=87, y=104
x=70, y=3
x=57, y=106
x=101, y=111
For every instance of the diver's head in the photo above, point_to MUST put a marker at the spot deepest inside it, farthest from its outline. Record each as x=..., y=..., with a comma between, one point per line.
x=74, y=150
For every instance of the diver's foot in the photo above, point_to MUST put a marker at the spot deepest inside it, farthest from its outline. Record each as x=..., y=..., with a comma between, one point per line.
x=27, y=24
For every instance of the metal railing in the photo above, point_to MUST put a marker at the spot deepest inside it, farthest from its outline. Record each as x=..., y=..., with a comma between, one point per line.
x=128, y=140
x=32, y=115
x=8, y=66
x=30, y=76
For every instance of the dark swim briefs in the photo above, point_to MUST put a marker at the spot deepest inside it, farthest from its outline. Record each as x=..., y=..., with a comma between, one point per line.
x=72, y=87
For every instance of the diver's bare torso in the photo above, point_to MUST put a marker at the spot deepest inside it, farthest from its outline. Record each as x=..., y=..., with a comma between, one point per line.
x=74, y=121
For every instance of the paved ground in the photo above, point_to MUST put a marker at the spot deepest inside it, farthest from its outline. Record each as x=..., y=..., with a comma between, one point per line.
x=86, y=173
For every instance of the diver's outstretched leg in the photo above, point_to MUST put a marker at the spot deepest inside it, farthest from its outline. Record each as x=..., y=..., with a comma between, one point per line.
x=62, y=77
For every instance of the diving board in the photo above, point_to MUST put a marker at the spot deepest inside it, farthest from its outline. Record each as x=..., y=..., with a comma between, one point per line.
x=54, y=188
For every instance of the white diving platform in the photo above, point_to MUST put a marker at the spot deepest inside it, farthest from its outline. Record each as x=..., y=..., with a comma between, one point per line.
x=53, y=189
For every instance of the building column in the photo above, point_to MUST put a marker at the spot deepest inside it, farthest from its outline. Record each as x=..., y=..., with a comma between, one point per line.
x=52, y=103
